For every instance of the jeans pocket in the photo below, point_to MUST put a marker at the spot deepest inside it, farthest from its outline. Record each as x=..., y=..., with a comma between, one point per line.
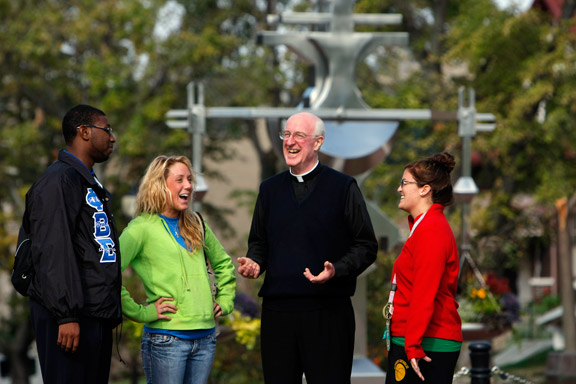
x=160, y=339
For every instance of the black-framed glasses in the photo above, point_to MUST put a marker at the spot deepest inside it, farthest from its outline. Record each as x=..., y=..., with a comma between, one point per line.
x=107, y=129
x=403, y=182
x=298, y=136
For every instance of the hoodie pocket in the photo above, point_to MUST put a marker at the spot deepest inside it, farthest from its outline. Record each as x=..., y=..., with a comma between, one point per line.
x=197, y=298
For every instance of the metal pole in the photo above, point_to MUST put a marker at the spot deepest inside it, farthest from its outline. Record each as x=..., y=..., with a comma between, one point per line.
x=480, y=362
x=196, y=122
x=465, y=210
x=565, y=274
x=196, y=127
x=466, y=120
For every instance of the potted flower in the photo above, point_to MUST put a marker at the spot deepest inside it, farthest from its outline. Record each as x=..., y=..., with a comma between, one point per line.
x=487, y=309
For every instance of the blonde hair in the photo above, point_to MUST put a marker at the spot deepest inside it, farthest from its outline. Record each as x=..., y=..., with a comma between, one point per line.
x=153, y=196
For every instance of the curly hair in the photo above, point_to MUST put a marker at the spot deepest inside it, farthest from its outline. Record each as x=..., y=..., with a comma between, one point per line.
x=153, y=196
x=435, y=172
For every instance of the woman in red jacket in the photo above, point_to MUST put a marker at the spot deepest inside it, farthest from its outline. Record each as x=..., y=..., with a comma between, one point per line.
x=423, y=328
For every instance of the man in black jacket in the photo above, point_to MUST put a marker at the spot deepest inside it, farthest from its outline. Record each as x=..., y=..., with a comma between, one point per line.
x=75, y=291
x=312, y=235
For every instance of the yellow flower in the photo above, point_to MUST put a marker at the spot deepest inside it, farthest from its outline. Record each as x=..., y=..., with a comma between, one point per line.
x=481, y=293
x=478, y=293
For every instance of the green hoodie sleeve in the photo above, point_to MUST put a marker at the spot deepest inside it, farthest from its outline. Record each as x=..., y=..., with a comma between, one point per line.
x=223, y=271
x=131, y=243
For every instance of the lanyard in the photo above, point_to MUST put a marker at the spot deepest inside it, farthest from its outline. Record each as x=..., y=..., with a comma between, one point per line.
x=416, y=223
x=387, y=312
x=388, y=309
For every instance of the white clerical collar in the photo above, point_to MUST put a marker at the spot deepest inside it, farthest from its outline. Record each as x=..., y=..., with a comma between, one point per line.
x=300, y=178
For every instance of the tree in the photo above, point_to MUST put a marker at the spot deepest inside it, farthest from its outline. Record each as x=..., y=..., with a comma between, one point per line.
x=519, y=66
x=124, y=58
x=521, y=69
x=525, y=76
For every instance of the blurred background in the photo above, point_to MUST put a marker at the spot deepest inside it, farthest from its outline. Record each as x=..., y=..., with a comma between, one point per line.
x=135, y=58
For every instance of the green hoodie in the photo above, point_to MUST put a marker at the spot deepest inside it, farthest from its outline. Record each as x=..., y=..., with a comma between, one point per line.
x=168, y=270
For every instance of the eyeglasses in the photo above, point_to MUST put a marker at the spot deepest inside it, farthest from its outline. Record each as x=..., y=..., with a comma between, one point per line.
x=403, y=182
x=107, y=129
x=298, y=136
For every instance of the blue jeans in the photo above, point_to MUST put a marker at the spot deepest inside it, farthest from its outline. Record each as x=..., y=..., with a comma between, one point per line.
x=171, y=360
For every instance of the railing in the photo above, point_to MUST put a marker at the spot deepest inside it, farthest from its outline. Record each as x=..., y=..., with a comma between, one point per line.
x=480, y=371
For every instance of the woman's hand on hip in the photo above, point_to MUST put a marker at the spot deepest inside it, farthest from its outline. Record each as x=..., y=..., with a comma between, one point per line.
x=163, y=306
x=217, y=310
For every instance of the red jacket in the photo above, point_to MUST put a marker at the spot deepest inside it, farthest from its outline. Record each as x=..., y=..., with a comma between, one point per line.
x=426, y=277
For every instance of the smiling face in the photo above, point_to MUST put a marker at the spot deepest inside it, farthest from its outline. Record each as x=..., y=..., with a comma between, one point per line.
x=301, y=155
x=413, y=199
x=179, y=182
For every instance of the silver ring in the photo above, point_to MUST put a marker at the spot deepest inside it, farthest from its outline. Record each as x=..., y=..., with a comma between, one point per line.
x=162, y=310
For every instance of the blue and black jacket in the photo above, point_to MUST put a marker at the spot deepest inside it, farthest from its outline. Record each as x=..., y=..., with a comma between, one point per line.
x=75, y=248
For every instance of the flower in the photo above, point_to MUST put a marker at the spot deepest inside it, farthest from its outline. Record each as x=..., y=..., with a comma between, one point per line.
x=246, y=328
x=478, y=293
x=492, y=304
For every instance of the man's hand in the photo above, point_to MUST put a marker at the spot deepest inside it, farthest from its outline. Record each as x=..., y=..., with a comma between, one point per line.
x=248, y=268
x=416, y=368
x=69, y=336
x=323, y=276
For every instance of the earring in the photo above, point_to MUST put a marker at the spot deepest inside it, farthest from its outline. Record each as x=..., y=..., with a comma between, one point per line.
x=421, y=194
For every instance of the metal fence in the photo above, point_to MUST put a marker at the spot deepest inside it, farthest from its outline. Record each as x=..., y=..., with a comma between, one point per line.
x=480, y=371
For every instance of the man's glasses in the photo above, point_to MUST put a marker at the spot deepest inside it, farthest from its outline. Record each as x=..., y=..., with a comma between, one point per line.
x=107, y=129
x=298, y=136
x=403, y=182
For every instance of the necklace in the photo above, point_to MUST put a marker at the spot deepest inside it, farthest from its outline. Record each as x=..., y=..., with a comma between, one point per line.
x=172, y=225
x=175, y=229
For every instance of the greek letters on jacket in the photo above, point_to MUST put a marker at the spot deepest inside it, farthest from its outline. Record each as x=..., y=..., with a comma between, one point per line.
x=102, y=229
x=74, y=244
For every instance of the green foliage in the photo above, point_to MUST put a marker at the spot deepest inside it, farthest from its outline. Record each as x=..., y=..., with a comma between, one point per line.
x=237, y=359
x=544, y=304
x=235, y=364
x=521, y=68
x=246, y=329
x=56, y=54
x=108, y=54
x=477, y=303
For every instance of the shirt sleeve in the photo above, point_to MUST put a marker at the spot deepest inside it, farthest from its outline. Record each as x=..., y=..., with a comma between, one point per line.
x=223, y=272
x=362, y=252
x=257, y=239
x=130, y=247
x=55, y=206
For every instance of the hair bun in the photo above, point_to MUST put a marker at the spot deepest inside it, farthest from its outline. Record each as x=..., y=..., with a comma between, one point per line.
x=443, y=160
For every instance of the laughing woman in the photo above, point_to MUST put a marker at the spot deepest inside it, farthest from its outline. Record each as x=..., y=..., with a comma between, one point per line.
x=423, y=330
x=167, y=245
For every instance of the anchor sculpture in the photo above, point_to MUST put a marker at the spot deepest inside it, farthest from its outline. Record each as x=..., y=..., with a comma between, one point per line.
x=353, y=147
x=356, y=136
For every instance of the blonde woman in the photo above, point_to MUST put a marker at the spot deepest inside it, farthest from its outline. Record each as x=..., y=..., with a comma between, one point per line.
x=167, y=245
